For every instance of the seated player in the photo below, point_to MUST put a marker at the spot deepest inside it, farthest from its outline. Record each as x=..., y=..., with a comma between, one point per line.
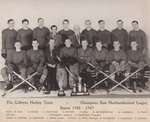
x=117, y=59
x=15, y=61
x=85, y=57
x=68, y=57
x=51, y=54
x=136, y=60
x=101, y=60
x=36, y=60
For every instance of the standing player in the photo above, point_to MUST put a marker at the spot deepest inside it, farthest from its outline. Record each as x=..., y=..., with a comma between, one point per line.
x=16, y=61
x=120, y=34
x=56, y=36
x=8, y=38
x=89, y=33
x=138, y=35
x=104, y=35
x=25, y=35
x=66, y=31
x=41, y=34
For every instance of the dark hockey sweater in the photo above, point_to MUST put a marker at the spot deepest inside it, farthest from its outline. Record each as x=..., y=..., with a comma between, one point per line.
x=42, y=36
x=25, y=37
x=8, y=39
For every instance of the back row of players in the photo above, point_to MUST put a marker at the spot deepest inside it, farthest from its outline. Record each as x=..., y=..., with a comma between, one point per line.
x=50, y=52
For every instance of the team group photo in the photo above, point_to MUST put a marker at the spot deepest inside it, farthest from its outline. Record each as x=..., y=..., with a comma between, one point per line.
x=47, y=59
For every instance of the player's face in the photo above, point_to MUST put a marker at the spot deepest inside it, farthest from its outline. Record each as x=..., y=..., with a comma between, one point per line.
x=54, y=30
x=18, y=45
x=52, y=42
x=25, y=24
x=35, y=44
x=116, y=44
x=102, y=25
x=41, y=22
x=68, y=43
x=88, y=24
x=120, y=24
x=84, y=44
x=133, y=45
x=65, y=25
x=99, y=45
x=11, y=24
x=135, y=25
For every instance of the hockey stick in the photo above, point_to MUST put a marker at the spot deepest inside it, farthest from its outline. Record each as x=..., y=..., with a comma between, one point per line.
x=107, y=76
x=20, y=84
x=127, y=77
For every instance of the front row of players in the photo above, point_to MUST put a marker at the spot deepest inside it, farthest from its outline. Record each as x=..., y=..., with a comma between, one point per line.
x=66, y=67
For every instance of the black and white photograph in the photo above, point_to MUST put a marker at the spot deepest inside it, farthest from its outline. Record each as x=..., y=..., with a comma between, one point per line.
x=74, y=60
x=74, y=48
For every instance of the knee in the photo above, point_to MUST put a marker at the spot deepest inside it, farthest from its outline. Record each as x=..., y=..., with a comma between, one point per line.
x=4, y=71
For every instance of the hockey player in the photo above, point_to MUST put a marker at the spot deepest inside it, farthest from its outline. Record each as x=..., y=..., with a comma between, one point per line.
x=136, y=60
x=51, y=54
x=25, y=35
x=120, y=34
x=66, y=31
x=68, y=56
x=139, y=36
x=100, y=61
x=89, y=33
x=104, y=35
x=8, y=38
x=56, y=36
x=36, y=60
x=85, y=56
x=117, y=59
x=16, y=61
x=41, y=34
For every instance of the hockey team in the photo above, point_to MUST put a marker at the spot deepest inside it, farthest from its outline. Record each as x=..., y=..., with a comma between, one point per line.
x=62, y=58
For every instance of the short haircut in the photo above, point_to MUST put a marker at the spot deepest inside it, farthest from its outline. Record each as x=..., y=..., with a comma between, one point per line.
x=53, y=26
x=84, y=39
x=17, y=42
x=34, y=40
x=25, y=20
x=119, y=20
x=116, y=41
x=100, y=21
x=97, y=41
x=39, y=19
x=10, y=20
x=68, y=39
x=65, y=20
x=135, y=21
